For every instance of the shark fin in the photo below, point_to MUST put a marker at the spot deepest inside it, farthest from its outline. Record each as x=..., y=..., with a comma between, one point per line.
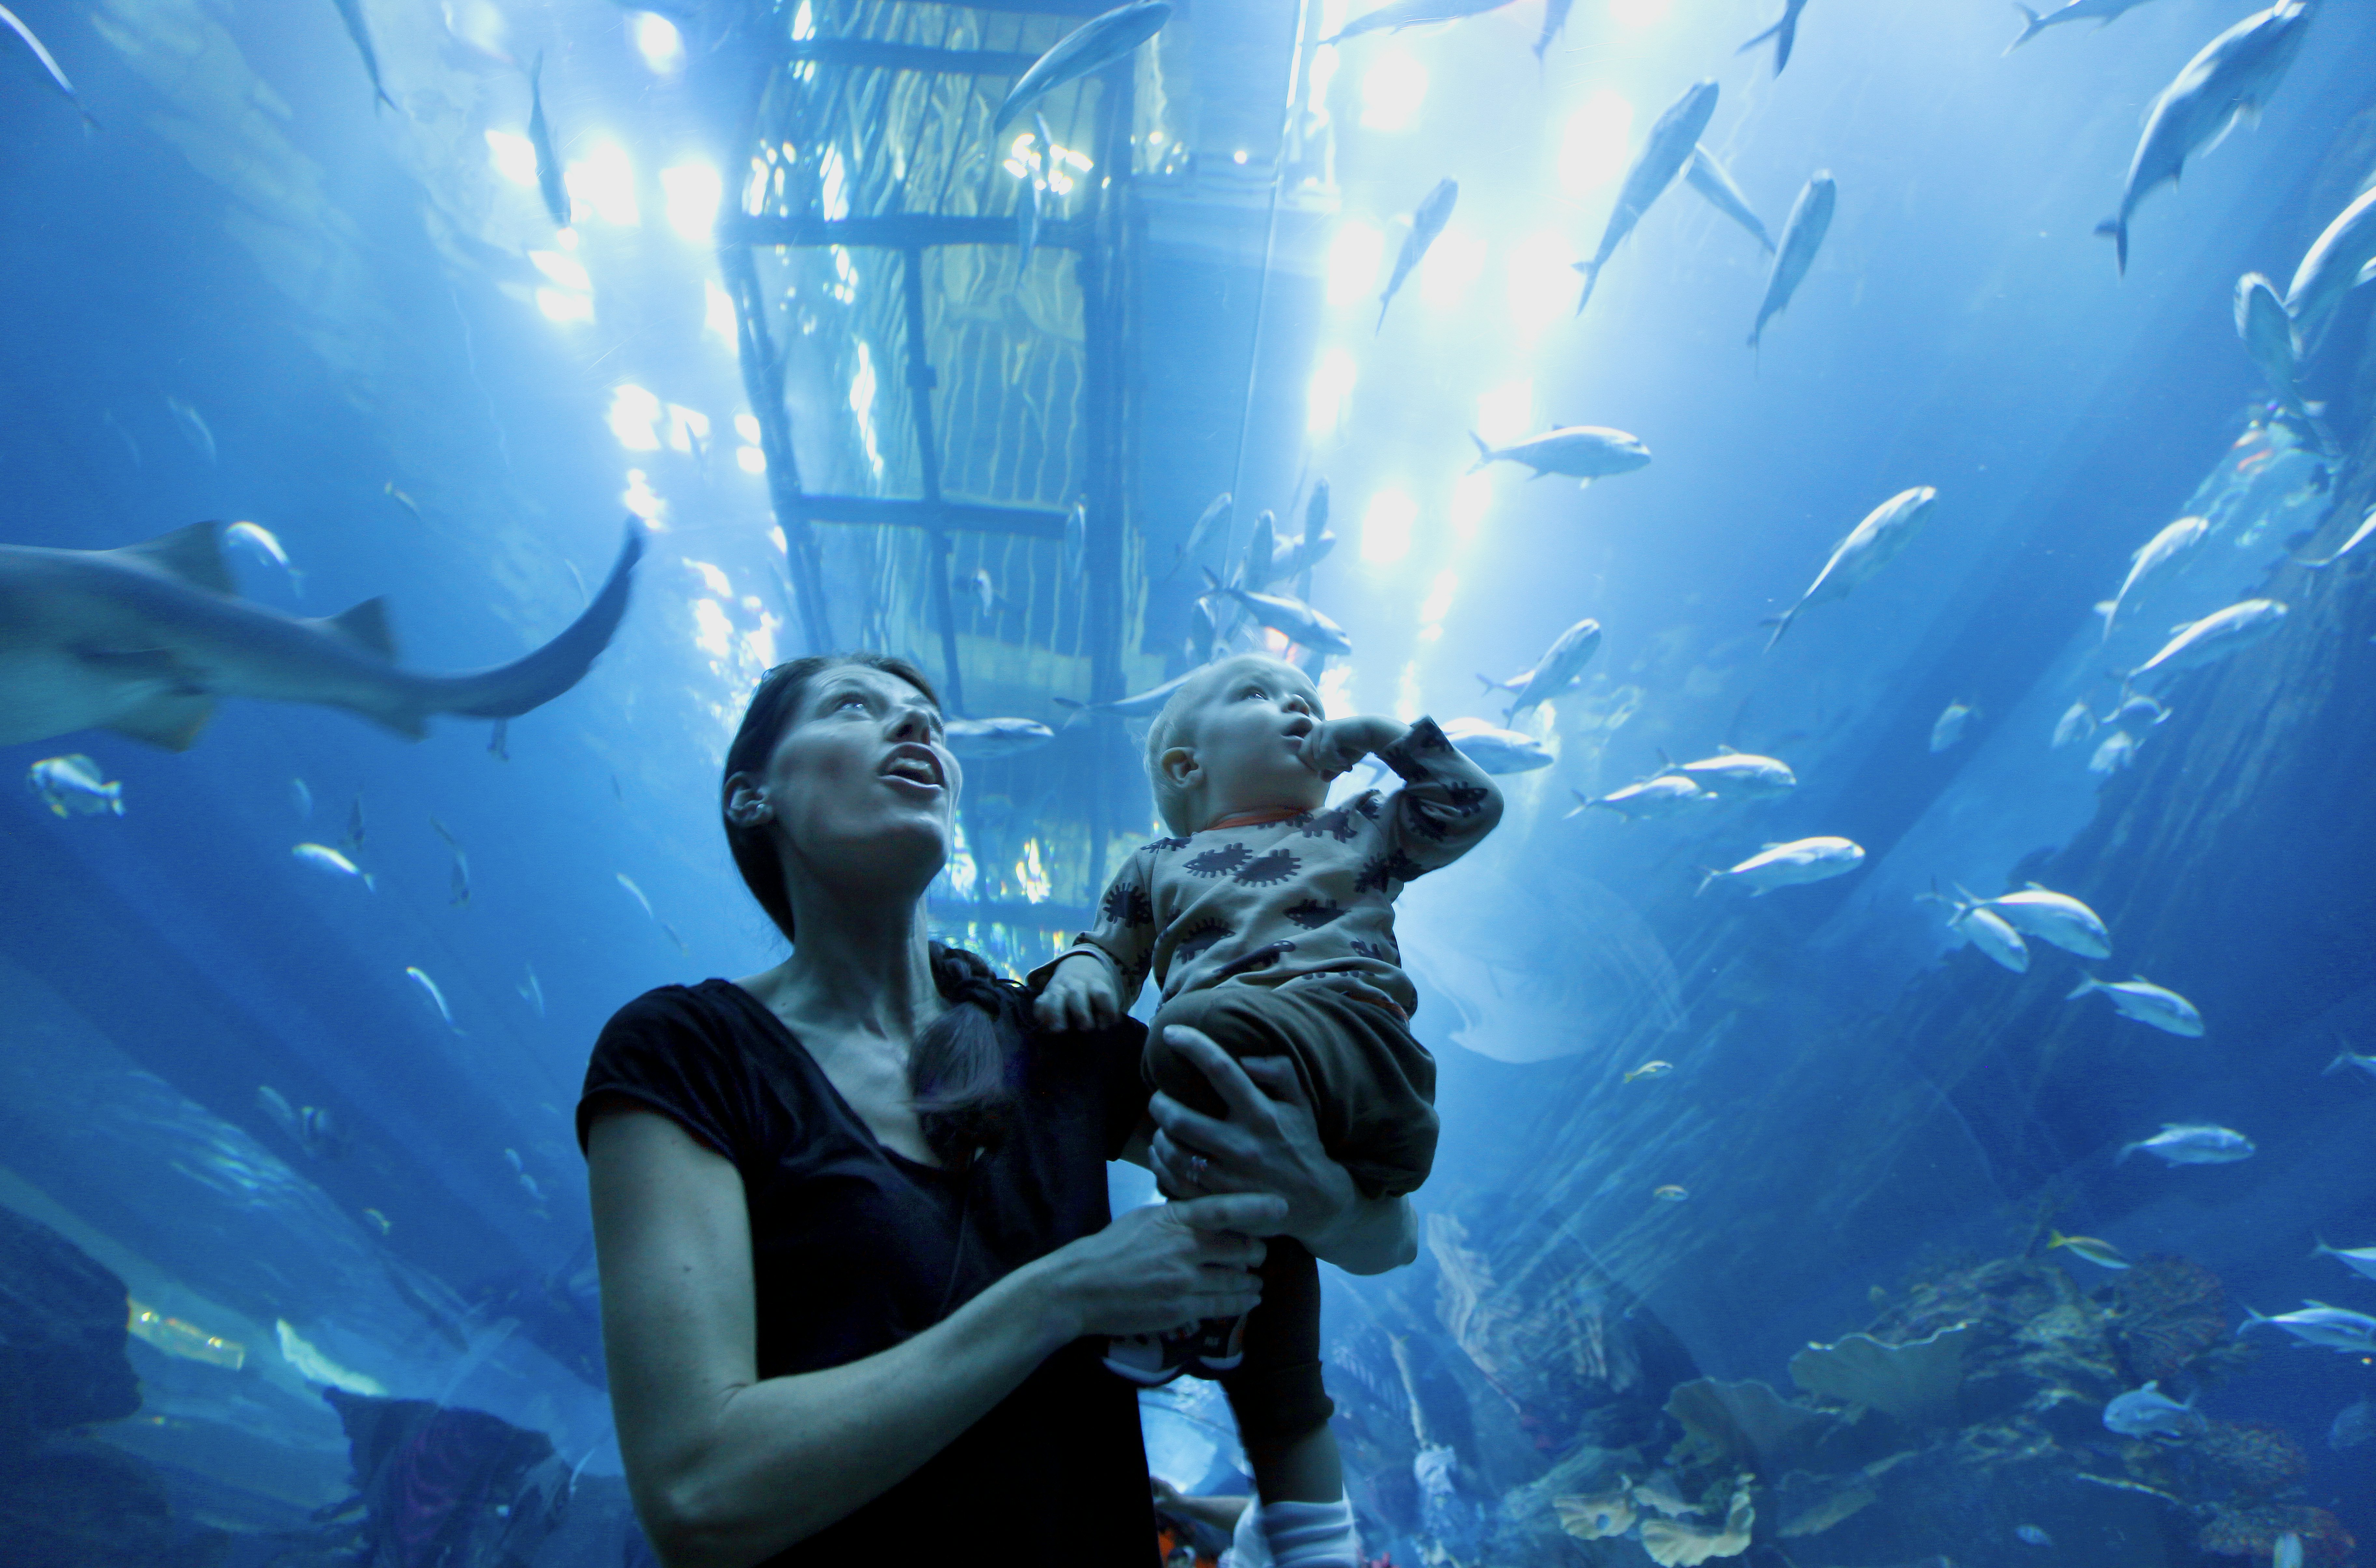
x=192, y=554
x=169, y=719
x=365, y=626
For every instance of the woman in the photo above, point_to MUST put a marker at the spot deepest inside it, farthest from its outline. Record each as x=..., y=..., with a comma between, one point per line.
x=856, y=1256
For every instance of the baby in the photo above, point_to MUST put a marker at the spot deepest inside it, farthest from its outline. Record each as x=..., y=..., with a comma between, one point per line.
x=1268, y=923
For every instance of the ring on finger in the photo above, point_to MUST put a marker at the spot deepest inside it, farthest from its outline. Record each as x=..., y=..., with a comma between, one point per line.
x=1198, y=1166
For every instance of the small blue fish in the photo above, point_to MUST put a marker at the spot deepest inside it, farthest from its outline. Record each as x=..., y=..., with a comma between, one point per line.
x=436, y=998
x=2030, y=1535
x=75, y=785
x=322, y=858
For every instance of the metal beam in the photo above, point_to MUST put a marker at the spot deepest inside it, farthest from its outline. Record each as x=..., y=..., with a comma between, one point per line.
x=898, y=231
x=965, y=516
x=763, y=384
x=1033, y=8
x=872, y=52
x=921, y=382
x=1044, y=916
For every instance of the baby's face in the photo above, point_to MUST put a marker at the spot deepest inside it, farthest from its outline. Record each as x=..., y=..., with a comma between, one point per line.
x=1249, y=741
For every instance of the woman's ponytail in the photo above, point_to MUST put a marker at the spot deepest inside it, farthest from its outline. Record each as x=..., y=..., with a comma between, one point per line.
x=965, y=1070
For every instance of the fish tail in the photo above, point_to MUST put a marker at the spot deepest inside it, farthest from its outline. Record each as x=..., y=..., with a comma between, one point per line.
x=1707, y=873
x=1780, y=624
x=380, y=96
x=2126, y=1150
x=1384, y=300
x=2321, y=1249
x=1485, y=455
x=530, y=682
x=2341, y=1059
x=2029, y=30
x=370, y=882
x=1591, y=270
x=2086, y=983
x=1770, y=32
x=2116, y=229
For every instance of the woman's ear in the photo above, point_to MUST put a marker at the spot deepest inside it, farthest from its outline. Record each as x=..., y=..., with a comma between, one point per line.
x=746, y=803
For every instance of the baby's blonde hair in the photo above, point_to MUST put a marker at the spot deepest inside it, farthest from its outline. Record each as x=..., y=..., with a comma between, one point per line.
x=1176, y=725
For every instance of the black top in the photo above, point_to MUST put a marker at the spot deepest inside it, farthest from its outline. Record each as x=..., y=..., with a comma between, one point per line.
x=855, y=1248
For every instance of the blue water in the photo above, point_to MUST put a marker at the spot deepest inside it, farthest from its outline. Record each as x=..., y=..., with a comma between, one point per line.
x=351, y=303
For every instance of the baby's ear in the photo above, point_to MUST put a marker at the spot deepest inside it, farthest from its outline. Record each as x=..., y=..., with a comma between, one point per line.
x=1178, y=764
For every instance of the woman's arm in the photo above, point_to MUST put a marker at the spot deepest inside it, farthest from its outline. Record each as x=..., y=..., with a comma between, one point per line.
x=727, y=1469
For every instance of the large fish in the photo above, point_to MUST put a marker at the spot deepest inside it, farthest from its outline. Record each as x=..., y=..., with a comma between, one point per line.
x=1144, y=704
x=981, y=740
x=1496, y=751
x=352, y=13
x=2099, y=11
x=144, y=640
x=2338, y=261
x=2215, y=636
x=1291, y=618
x=2229, y=80
x=1784, y=33
x=1706, y=176
x=1427, y=222
x=1582, y=452
x=1662, y=157
x=1401, y=14
x=549, y=183
x=1089, y=48
x=2158, y=552
x=1216, y=515
x=1871, y=545
x=1803, y=236
x=1789, y=864
x=49, y=64
x=2140, y=999
x=1560, y=667
x=1660, y=796
x=2192, y=1143
x=2050, y=916
x=2268, y=335
x=1737, y=774
x=2337, y=1328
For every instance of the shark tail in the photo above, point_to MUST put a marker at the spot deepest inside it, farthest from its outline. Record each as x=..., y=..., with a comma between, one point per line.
x=2117, y=229
x=514, y=689
x=2030, y=27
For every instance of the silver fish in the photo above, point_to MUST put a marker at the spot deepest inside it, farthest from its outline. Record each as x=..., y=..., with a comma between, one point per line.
x=2100, y=11
x=2346, y=1057
x=2138, y=709
x=430, y=993
x=2051, y=917
x=2358, y=537
x=1655, y=167
x=1216, y=515
x=145, y=639
x=1737, y=774
x=1076, y=541
x=1948, y=728
x=2215, y=636
x=1434, y=211
x=2359, y=1260
x=2114, y=753
x=1089, y=48
x=352, y=13
x=2077, y=723
x=1989, y=932
x=2140, y=999
x=1582, y=453
x=75, y=785
x=1803, y=236
x=458, y=888
x=259, y=542
x=549, y=181
x=1706, y=176
x=531, y=991
x=2157, y=553
x=2228, y=80
x=985, y=593
x=194, y=427
x=1292, y=618
x=2336, y=1328
x=2268, y=335
x=1400, y=14
x=1660, y=796
x=972, y=740
x=1871, y=545
x=322, y=858
x=1789, y=864
x=49, y=64
x=1494, y=749
x=2335, y=262
x=2185, y=1143
x=2149, y=1412
x=1559, y=669
x=636, y=893
x=1784, y=33
x=1143, y=705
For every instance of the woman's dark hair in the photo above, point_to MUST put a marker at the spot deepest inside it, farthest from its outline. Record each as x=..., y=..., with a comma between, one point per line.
x=962, y=1073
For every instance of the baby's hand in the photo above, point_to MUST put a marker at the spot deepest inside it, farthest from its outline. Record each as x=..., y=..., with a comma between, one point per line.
x=1080, y=995
x=1338, y=743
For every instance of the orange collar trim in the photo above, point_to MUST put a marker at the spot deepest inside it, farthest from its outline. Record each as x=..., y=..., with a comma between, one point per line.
x=1256, y=819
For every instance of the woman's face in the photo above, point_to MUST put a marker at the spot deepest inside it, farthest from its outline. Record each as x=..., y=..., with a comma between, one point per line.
x=861, y=786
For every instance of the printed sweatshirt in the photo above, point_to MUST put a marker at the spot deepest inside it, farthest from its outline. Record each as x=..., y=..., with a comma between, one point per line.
x=1304, y=892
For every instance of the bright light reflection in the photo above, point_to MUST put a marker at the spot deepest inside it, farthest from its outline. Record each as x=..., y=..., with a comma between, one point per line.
x=567, y=271
x=690, y=192
x=759, y=643
x=1324, y=62
x=659, y=43
x=514, y=157
x=712, y=578
x=833, y=190
x=687, y=427
x=640, y=498
x=1438, y=603
x=1455, y=261
x=1472, y=498
x=559, y=305
x=1542, y=284
x=606, y=183
x=1353, y=257
x=1593, y=144
x=775, y=537
x=862, y=403
x=633, y=412
x=1636, y=13
x=718, y=311
x=1407, y=706
x=1336, y=690
x=1332, y=387
x=713, y=633
x=747, y=426
x=752, y=460
x=1391, y=91
x=805, y=21
x=1506, y=413
x=1386, y=527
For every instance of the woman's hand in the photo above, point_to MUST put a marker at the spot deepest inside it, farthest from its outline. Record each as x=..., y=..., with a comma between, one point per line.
x=1270, y=1142
x=1159, y=1267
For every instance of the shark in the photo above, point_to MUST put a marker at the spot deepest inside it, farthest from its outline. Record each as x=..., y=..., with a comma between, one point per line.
x=147, y=638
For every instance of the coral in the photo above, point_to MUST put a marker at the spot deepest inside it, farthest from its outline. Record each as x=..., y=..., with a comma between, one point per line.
x=1685, y=1543
x=1746, y=1424
x=2257, y=1460
x=2253, y=1531
x=2170, y=1312
x=1915, y=1382
x=1597, y=1515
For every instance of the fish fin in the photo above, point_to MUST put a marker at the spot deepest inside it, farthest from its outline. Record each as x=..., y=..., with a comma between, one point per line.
x=1485, y=453
x=2029, y=30
x=1580, y=484
x=2117, y=229
x=2086, y=983
x=1591, y=270
x=1761, y=38
x=169, y=719
x=1723, y=750
x=2121, y=1158
x=365, y=626
x=1780, y=624
x=192, y=554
